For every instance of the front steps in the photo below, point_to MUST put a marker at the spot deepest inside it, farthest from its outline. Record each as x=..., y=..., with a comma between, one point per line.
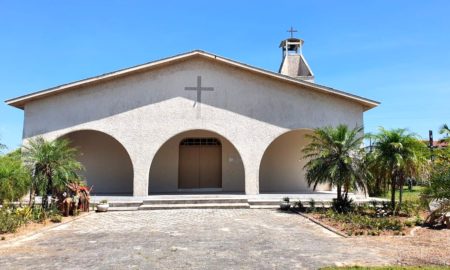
x=192, y=203
x=215, y=201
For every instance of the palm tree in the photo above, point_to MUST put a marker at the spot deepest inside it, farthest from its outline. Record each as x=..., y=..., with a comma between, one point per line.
x=335, y=157
x=53, y=164
x=398, y=155
x=2, y=146
x=446, y=131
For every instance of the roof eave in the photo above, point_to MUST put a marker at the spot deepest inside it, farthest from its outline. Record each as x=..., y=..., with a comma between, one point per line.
x=21, y=101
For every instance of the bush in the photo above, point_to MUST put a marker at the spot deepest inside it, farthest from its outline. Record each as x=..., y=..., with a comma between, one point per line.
x=8, y=221
x=299, y=206
x=343, y=206
x=38, y=214
x=14, y=178
x=410, y=208
x=56, y=218
x=312, y=205
x=11, y=219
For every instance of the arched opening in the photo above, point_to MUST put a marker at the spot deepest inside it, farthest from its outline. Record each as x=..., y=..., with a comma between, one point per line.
x=108, y=166
x=281, y=169
x=196, y=161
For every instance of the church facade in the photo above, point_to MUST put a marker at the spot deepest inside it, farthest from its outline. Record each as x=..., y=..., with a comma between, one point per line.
x=195, y=123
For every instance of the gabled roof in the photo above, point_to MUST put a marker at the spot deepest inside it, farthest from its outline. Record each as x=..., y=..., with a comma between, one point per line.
x=19, y=102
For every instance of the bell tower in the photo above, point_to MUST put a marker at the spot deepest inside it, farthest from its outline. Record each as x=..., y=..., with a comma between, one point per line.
x=293, y=62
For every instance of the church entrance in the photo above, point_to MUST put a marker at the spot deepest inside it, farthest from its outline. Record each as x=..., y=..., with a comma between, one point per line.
x=196, y=161
x=200, y=164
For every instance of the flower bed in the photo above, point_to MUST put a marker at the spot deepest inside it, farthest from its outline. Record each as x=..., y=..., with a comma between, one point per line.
x=370, y=220
x=13, y=218
x=358, y=224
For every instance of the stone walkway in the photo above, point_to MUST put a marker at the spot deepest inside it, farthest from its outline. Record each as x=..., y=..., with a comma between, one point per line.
x=188, y=239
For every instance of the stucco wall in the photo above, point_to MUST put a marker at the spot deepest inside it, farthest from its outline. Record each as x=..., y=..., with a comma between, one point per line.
x=107, y=165
x=164, y=169
x=282, y=165
x=144, y=110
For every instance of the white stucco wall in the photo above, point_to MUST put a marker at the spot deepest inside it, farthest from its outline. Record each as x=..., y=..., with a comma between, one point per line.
x=282, y=165
x=144, y=110
x=107, y=166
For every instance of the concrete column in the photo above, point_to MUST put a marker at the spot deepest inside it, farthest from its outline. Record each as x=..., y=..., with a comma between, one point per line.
x=251, y=162
x=140, y=180
x=251, y=182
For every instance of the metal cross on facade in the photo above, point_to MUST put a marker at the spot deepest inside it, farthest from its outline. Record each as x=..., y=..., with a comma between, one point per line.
x=199, y=89
x=292, y=31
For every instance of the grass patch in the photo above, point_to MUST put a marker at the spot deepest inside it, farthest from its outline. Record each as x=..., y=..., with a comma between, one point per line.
x=412, y=196
x=387, y=268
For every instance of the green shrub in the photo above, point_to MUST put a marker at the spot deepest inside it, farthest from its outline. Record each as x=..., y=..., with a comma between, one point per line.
x=410, y=208
x=56, y=218
x=38, y=214
x=312, y=205
x=343, y=206
x=299, y=206
x=409, y=223
x=14, y=177
x=11, y=220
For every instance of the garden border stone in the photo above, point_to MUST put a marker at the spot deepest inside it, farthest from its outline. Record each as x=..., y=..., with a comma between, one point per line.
x=331, y=229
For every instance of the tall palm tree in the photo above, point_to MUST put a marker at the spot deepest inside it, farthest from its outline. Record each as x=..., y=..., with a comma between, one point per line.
x=398, y=155
x=335, y=157
x=53, y=164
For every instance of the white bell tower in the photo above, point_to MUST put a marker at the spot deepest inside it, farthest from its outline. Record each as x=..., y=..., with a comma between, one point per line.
x=293, y=62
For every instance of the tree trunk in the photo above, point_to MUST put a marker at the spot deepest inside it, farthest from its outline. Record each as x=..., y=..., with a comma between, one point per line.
x=400, y=197
x=32, y=195
x=401, y=193
x=393, y=193
x=48, y=190
x=339, y=193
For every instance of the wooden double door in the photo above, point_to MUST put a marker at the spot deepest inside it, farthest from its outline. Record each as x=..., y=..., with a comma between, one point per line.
x=200, y=165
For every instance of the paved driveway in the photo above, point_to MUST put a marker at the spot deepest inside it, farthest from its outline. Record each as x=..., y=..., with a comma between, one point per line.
x=187, y=239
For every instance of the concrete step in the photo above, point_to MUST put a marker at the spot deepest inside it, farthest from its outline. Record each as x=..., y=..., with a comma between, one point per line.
x=126, y=208
x=265, y=206
x=264, y=202
x=194, y=201
x=120, y=203
x=195, y=206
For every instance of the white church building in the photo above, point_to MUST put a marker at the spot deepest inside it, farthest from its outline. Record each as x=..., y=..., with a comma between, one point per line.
x=193, y=123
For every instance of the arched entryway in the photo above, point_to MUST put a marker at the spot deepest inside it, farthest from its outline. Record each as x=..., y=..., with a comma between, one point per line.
x=281, y=169
x=196, y=161
x=108, y=166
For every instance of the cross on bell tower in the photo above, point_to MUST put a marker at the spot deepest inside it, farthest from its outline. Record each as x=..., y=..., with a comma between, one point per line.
x=292, y=31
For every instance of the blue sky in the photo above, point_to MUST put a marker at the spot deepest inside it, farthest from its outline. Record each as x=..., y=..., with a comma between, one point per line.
x=396, y=52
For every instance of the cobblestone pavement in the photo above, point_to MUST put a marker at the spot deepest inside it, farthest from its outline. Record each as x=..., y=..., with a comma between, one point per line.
x=188, y=239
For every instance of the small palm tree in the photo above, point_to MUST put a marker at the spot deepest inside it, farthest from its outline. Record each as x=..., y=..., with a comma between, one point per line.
x=446, y=131
x=53, y=164
x=335, y=157
x=2, y=146
x=398, y=155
